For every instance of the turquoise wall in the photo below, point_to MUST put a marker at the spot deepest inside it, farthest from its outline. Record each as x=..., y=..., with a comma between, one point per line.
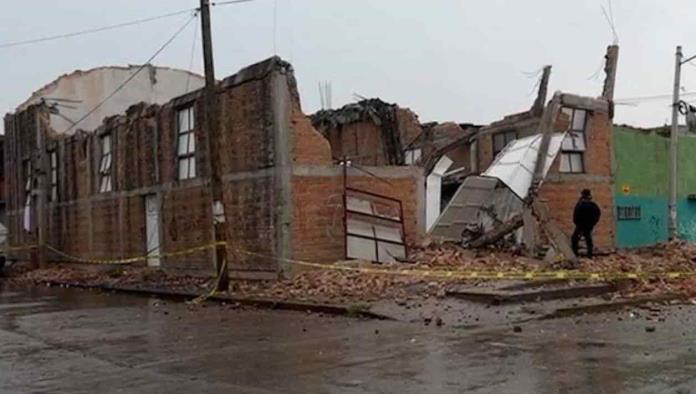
x=650, y=229
x=641, y=161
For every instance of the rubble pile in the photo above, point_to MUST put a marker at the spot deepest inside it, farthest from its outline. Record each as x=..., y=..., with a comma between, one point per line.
x=345, y=286
x=131, y=277
x=672, y=257
x=330, y=286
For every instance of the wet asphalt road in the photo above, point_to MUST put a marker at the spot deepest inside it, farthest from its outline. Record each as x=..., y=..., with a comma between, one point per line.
x=76, y=341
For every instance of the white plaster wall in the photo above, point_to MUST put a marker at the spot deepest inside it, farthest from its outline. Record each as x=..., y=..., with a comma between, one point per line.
x=153, y=85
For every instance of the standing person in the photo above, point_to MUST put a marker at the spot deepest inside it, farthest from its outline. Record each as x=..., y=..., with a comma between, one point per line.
x=585, y=216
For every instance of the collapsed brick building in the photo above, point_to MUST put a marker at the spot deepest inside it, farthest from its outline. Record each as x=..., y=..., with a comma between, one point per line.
x=450, y=152
x=139, y=184
x=585, y=157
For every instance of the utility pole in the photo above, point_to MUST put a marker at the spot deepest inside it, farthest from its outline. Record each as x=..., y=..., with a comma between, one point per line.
x=211, y=127
x=674, y=144
x=673, y=148
x=41, y=194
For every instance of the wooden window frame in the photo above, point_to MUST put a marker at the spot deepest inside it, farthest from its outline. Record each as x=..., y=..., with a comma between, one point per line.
x=53, y=157
x=567, y=164
x=106, y=163
x=186, y=157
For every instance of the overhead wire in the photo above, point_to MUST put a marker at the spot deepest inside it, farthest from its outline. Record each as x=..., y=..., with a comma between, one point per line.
x=193, y=54
x=609, y=16
x=651, y=98
x=132, y=76
x=12, y=44
x=216, y=3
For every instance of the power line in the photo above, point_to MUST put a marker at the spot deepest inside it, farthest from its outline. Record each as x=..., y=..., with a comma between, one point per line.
x=93, y=30
x=609, y=16
x=193, y=54
x=130, y=78
x=215, y=3
x=651, y=98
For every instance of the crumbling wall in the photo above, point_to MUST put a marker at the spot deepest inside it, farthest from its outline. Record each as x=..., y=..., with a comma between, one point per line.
x=562, y=190
x=277, y=174
x=370, y=132
x=89, y=224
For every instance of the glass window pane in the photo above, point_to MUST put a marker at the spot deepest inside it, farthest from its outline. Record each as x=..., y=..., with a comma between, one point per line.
x=183, y=122
x=54, y=159
x=106, y=144
x=183, y=144
x=579, y=141
x=565, y=163
x=192, y=119
x=192, y=143
x=568, y=143
x=579, y=119
x=192, y=167
x=576, y=162
x=510, y=136
x=498, y=142
x=183, y=168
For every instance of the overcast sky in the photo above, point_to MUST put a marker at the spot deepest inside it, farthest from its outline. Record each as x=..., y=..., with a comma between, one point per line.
x=459, y=60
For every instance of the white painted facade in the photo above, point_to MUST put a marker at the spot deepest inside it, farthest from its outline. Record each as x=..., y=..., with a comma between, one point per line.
x=74, y=95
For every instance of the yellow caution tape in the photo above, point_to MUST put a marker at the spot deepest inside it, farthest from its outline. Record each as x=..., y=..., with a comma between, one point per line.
x=131, y=260
x=418, y=273
x=214, y=290
x=487, y=275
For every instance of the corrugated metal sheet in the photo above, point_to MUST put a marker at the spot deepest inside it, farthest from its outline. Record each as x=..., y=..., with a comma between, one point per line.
x=514, y=166
x=480, y=203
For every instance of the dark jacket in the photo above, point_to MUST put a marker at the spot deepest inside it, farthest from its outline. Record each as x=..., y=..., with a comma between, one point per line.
x=586, y=214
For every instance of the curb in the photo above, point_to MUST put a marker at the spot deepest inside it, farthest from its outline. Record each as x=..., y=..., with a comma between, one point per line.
x=261, y=303
x=610, y=306
x=505, y=296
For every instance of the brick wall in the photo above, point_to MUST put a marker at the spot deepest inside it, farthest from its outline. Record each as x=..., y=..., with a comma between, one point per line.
x=262, y=132
x=562, y=191
x=318, y=207
x=89, y=224
x=361, y=141
x=359, y=136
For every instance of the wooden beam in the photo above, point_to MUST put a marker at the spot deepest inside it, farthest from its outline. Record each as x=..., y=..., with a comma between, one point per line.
x=498, y=233
x=559, y=240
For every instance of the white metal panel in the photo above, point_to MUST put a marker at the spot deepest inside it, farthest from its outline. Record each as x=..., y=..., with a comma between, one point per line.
x=442, y=166
x=433, y=200
x=515, y=165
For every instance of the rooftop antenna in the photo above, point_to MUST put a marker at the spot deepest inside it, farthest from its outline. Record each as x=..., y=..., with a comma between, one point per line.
x=609, y=16
x=358, y=97
x=325, y=92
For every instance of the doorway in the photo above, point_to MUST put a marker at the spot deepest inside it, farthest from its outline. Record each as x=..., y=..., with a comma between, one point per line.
x=152, y=230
